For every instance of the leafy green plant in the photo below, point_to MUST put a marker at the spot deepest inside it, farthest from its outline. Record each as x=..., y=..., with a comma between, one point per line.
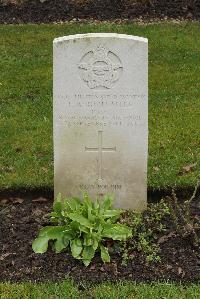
x=84, y=226
x=146, y=229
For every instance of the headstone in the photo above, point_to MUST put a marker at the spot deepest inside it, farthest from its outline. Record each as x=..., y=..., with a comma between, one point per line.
x=101, y=117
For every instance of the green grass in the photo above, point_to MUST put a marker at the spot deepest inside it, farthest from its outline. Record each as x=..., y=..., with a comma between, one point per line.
x=127, y=290
x=26, y=151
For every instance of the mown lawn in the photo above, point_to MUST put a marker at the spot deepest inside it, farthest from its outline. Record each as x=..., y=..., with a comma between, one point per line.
x=26, y=151
x=66, y=290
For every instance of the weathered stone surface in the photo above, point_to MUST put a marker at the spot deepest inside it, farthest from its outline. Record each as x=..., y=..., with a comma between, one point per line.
x=101, y=117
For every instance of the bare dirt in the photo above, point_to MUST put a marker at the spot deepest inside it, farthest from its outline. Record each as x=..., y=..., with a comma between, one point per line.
x=36, y=11
x=20, y=221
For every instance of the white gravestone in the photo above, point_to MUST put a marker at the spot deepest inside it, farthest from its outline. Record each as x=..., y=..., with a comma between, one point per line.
x=101, y=117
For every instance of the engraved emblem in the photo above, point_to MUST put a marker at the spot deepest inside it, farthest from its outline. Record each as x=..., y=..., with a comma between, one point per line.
x=100, y=150
x=100, y=68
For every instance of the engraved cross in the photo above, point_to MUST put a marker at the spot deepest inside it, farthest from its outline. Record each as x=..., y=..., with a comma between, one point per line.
x=100, y=150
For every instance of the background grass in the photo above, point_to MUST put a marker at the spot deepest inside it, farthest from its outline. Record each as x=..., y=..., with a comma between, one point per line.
x=26, y=153
x=67, y=289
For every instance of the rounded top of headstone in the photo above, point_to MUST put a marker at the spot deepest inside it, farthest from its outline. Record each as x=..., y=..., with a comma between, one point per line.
x=100, y=35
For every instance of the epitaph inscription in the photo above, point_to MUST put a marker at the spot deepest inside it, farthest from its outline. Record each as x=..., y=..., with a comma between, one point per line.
x=101, y=117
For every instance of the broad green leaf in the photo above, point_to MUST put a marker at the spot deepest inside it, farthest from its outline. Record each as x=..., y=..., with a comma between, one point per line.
x=63, y=241
x=57, y=207
x=44, y=231
x=84, y=229
x=91, y=240
x=96, y=205
x=87, y=200
x=74, y=204
x=66, y=238
x=104, y=254
x=76, y=247
x=117, y=232
x=100, y=229
x=47, y=233
x=88, y=254
x=54, y=220
x=95, y=244
x=111, y=213
x=88, y=241
x=75, y=226
x=40, y=245
x=64, y=214
x=60, y=245
x=52, y=232
x=87, y=207
x=53, y=214
x=90, y=217
x=86, y=262
x=107, y=202
x=80, y=219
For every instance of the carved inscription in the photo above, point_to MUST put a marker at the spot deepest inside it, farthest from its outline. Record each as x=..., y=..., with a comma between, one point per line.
x=100, y=110
x=100, y=68
x=100, y=187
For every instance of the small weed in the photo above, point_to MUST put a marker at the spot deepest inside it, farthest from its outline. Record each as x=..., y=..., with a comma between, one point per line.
x=146, y=228
x=185, y=225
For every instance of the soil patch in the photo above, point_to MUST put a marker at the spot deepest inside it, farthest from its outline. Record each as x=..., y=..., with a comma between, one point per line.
x=35, y=11
x=20, y=220
x=154, y=195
